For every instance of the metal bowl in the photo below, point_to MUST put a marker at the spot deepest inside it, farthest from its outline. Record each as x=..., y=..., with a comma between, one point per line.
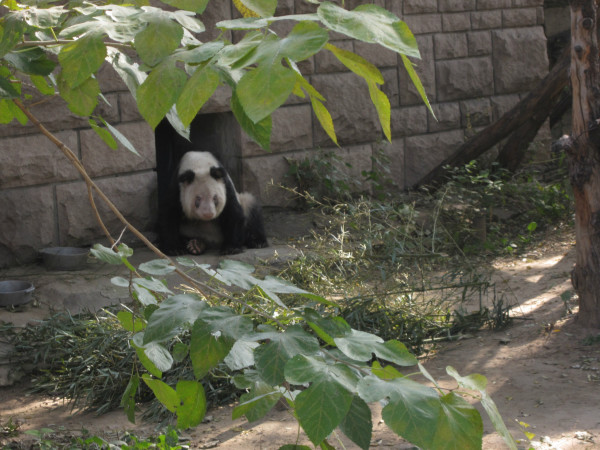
x=14, y=292
x=65, y=258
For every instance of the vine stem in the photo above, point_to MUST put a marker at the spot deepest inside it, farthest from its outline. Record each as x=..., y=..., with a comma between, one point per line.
x=200, y=286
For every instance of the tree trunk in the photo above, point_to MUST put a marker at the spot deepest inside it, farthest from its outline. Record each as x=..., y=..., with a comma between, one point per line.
x=524, y=116
x=583, y=149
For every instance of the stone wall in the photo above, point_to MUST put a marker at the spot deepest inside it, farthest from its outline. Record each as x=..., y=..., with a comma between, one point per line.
x=478, y=58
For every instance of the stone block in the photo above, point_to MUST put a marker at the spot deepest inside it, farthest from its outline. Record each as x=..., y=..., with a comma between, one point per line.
x=450, y=45
x=447, y=115
x=475, y=113
x=464, y=78
x=456, y=5
x=502, y=104
x=493, y=4
x=349, y=103
x=390, y=86
x=109, y=79
x=262, y=176
x=486, y=20
x=292, y=130
x=54, y=114
x=26, y=223
x=557, y=20
x=134, y=195
x=409, y=120
x=376, y=54
x=215, y=12
x=397, y=6
x=513, y=72
x=524, y=3
x=456, y=22
x=327, y=62
x=420, y=6
x=424, y=23
x=34, y=160
x=128, y=108
x=99, y=159
x=479, y=43
x=522, y=17
x=424, y=153
x=425, y=68
x=394, y=152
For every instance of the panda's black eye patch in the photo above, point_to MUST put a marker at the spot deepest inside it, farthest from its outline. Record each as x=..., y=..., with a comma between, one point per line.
x=187, y=177
x=217, y=173
x=216, y=200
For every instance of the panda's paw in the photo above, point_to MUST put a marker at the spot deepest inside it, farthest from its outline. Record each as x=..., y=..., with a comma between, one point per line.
x=196, y=246
x=231, y=250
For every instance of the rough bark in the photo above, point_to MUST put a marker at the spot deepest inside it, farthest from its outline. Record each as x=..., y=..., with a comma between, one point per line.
x=583, y=149
x=530, y=112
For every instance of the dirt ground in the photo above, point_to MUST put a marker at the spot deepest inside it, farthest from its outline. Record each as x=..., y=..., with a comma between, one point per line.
x=539, y=372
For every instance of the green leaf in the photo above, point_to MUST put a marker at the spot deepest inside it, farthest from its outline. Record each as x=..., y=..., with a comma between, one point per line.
x=127, y=69
x=159, y=91
x=326, y=328
x=460, y=425
x=260, y=132
x=42, y=85
x=224, y=320
x=478, y=382
x=357, y=424
x=108, y=255
x=33, y=61
x=146, y=362
x=82, y=100
x=382, y=105
x=11, y=32
x=156, y=353
x=271, y=358
x=163, y=392
x=188, y=20
x=305, y=39
x=370, y=23
x=264, y=8
x=197, y=90
x=241, y=355
x=80, y=59
x=264, y=89
x=43, y=17
x=192, y=404
x=158, y=40
x=200, y=53
x=144, y=296
x=121, y=138
x=207, y=349
x=357, y=64
x=189, y=5
x=152, y=284
x=256, y=403
x=157, y=267
x=323, y=406
x=6, y=111
x=128, y=398
x=104, y=134
x=358, y=345
x=173, y=313
x=129, y=322
x=385, y=373
x=8, y=89
x=396, y=352
x=408, y=65
x=324, y=118
x=233, y=53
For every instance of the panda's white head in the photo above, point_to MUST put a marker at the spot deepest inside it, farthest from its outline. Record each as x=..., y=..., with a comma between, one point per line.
x=202, y=190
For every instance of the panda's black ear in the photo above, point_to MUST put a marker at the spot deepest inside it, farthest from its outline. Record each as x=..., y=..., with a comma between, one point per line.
x=187, y=177
x=217, y=173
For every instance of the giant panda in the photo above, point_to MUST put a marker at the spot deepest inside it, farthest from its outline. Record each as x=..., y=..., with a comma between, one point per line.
x=207, y=212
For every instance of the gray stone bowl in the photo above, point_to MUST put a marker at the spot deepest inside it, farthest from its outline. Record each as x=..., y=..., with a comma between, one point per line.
x=64, y=258
x=14, y=292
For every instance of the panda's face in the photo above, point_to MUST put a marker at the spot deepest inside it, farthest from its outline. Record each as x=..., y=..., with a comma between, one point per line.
x=201, y=186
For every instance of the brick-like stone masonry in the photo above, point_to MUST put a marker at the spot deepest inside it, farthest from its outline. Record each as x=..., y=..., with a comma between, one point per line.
x=478, y=58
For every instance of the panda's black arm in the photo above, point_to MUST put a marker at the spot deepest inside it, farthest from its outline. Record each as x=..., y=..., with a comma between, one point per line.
x=169, y=221
x=232, y=221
